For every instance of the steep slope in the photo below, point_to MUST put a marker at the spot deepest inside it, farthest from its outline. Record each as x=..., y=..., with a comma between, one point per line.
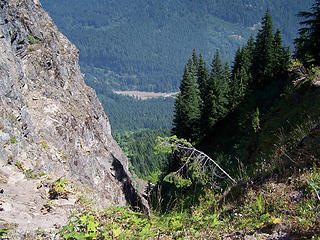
x=52, y=125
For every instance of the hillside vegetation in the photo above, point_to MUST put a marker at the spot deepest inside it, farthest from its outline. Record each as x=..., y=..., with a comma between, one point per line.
x=142, y=45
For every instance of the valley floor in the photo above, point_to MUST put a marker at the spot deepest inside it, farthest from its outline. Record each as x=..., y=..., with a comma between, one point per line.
x=146, y=95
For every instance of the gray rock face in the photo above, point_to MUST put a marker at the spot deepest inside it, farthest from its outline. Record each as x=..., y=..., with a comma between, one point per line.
x=50, y=121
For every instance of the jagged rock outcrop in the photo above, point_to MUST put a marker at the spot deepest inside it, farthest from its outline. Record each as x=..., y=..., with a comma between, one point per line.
x=50, y=121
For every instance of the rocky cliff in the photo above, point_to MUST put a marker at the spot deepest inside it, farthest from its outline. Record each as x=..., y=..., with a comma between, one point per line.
x=52, y=126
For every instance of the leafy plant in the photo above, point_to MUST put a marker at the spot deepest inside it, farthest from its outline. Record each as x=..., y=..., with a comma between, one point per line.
x=29, y=173
x=44, y=145
x=13, y=140
x=313, y=183
x=83, y=227
x=58, y=189
x=260, y=203
x=178, y=180
x=32, y=39
x=18, y=164
x=114, y=223
x=3, y=232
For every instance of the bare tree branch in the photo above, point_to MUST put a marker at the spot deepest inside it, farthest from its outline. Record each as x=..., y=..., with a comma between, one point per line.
x=199, y=157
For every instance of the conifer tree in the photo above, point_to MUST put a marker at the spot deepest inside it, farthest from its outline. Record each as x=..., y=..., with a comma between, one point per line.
x=187, y=106
x=250, y=48
x=203, y=78
x=237, y=61
x=227, y=73
x=241, y=75
x=262, y=68
x=281, y=56
x=240, y=78
x=216, y=102
x=195, y=58
x=308, y=43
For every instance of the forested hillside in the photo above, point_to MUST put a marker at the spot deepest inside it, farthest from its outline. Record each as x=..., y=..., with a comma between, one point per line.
x=144, y=44
x=128, y=113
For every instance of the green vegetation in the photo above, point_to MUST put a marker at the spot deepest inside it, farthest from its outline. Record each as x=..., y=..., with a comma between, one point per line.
x=122, y=223
x=58, y=189
x=139, y=148
x=132, y=45
x=3, y=232
x=308, y=43
x=18, y=164
x=29, y=173
x=128, y=114
x=136, y=45
x=256, y=80
x=262, y=209
x=32, y=39
x=13, y=140
x=44, y=145
x=187, y=105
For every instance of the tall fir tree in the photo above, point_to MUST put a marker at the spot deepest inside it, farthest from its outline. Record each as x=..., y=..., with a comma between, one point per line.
x=195, y=58
x=281, y=56
x=187, y=106
x=216, y=101
x=203, y=78
x=308, y=43
x=240, y=78
x=227, y=73
x=262, y=67
x=241, y=73
x=237, y=61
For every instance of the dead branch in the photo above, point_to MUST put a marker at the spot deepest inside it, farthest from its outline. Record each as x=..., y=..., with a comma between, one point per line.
x=189, y=152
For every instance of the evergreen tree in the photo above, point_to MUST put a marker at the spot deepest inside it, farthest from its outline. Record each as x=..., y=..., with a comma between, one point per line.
x=281, y=56
x=241, y=75
x=308, y=43
x=248, y=57
x=227, y=73
x=237, y=61
x=187, y=106
x=262, y=67
x=250, y=47
x=240, y=79
x=216, y=102
x=195, y=58
x=203, y=78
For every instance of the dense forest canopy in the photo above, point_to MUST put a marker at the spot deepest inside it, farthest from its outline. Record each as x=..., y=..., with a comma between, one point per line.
x=144, y=44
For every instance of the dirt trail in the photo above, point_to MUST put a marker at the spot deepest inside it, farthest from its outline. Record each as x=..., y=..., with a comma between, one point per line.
x=22, y=203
